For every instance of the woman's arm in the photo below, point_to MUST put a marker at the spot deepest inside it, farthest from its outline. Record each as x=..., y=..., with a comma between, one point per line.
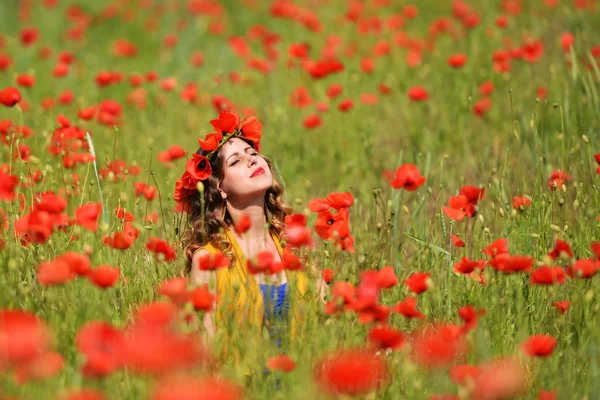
x=199, y=278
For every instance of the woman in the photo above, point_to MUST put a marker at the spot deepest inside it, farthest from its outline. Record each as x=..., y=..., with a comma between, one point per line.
x=226, y=179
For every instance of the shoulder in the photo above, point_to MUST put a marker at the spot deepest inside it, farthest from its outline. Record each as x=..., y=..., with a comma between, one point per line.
x=206, y=249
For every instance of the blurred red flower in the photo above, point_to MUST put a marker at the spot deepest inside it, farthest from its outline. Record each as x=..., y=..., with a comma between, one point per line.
x=419, y=282
x=540, y=345
x=351, y=372
x=408, y=308
x=407, y=177
x=281, y=362
x=417, y=93
x=547, y=275
x=104, y=276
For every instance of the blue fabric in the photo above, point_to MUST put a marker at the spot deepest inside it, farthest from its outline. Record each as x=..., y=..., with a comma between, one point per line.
x=275, y=316
x=276, y=309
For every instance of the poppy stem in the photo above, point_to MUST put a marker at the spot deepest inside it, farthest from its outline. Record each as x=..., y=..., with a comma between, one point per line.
x=93, y=152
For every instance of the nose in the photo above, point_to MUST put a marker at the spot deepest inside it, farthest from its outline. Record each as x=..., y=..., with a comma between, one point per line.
x=251, y=160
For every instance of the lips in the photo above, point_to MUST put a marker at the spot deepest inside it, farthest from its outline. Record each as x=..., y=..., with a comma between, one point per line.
x=257, y=171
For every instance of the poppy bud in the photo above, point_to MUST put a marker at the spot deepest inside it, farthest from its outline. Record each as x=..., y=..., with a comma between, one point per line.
x=200, y=187
x=501, y=212
x=405, y=209
x=561, y=201
x=555, y=228
x=480, y=218
x=513, y=214
x=585, y=139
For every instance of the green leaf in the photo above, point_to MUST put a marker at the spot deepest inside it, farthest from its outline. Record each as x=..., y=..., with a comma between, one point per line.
x=424, y=243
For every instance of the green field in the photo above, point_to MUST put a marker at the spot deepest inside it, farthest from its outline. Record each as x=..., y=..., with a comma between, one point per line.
x=498, y=95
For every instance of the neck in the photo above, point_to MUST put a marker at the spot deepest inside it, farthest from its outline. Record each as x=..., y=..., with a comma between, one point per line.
x=256, y=212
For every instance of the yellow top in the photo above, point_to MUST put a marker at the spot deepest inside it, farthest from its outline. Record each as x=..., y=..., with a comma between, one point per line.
x=240, y=306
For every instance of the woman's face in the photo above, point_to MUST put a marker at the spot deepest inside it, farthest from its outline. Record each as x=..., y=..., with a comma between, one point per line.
x=246, y=173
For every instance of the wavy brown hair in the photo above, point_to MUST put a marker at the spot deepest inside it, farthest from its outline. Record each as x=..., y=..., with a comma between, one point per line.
x=211, y=229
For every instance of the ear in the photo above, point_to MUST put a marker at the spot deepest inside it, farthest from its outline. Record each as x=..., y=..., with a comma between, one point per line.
x=223, y=194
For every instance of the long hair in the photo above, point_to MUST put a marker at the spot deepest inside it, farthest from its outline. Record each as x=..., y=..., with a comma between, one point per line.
x=210, y=229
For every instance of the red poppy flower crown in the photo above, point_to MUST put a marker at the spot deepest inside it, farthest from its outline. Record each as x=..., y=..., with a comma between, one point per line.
x=198, y=167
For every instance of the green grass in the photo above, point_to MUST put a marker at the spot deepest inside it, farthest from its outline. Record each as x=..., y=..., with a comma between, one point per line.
x=511, y=151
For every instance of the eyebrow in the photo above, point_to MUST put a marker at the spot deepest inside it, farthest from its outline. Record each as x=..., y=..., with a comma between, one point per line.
x=236, y=153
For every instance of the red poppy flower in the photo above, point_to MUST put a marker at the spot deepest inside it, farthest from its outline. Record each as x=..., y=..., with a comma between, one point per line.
x=36, y=226
x=470, y=316
x=583, y=269
x=486, y=88
x=499, y=246
x=159, y=314
x=408, y=177
x=345, y=105
x=327, y=275
x=226, y=122
x=300, y=97
x=539, y=345
x=100, y=342
x=561, y=248
x=566, y=41
x=417, y=93
x=175, y=289
x=438, y=346
x=297, y=233
x=41, y=367
x=211, y=141
x=242, y=224
x=334, y=90
x=104, y=276
x=500, y=379
x=87, y=216
x=418, y=282
x=210, y=262
x=386, y=337
x=83, y=394
x=509, y=264
x=9, y=96
x=161, y=246
x=29, y=36
x=351, y=372
x=456, y=241
x=25, y=80
x=338, y=200
x=532, y=51
x=466, y=266
x=263, y=263
x=202, y=299
x=558, y=179
x=521, y=203
x=457, y=60
x=252, y=130
x=408, y=308
x=482, y=106
x=198, y=167
x=312, y=121
x=8, y=184
x=461, y=374
x=281, y=362
x=563, y=306
x=55, y=272
x=183, y=388
x=546, y=275
x=386, y=277
x=24, y=336
x=456, y=207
